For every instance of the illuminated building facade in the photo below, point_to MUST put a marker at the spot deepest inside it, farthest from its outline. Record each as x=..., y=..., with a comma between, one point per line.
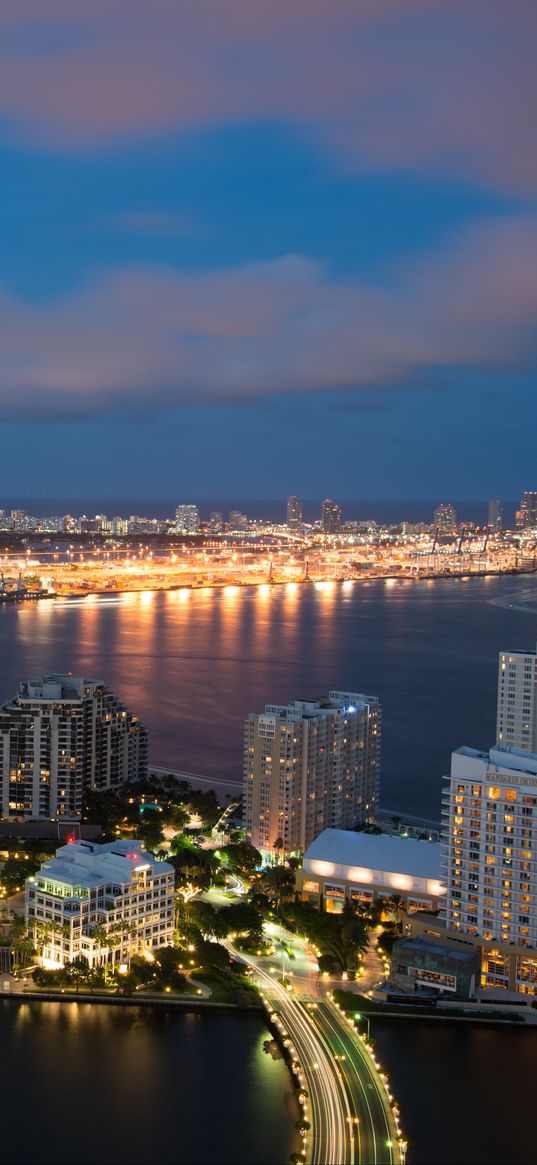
x=516, y=725
x=187, y=519
x=445, y=518
x=101, y=902
x=59, y=736
x=341, y=866
x=308, y=766
x=294, y=513
x=526, y=515
x=490, y=836
x=330, y=517
x=216, y=522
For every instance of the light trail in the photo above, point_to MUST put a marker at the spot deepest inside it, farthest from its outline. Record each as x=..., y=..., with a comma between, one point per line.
x=351, y=1115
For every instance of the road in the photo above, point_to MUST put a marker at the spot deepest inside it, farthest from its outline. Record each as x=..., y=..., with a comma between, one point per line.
x=349, y=1108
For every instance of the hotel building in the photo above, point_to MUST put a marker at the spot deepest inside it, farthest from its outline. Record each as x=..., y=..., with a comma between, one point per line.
x=516, y=725
x=490, y=857
x=308, y=766
x=59, y=736
x=100, y=901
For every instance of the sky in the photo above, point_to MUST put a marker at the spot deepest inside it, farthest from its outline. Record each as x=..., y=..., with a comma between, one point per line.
x=257, y=248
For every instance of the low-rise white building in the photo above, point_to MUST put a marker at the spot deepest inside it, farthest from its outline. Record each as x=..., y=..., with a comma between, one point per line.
x=100, y=901
x=341, y=865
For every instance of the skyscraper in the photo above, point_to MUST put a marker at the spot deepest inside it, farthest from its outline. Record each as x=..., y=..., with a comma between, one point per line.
x=516, y=724
x=330, y=516
x=187, y=519
x=489, y=832
x=445, y=518
x=526, y=516
x=310, y=765
x=294, y=513
x=59, y=736
x=495, y=516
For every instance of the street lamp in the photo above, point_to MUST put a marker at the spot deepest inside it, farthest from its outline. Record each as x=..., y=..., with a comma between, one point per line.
x=358, y=1015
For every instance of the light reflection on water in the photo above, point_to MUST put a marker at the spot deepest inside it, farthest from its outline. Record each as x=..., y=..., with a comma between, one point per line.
x=130, y=1084
x=192, y=664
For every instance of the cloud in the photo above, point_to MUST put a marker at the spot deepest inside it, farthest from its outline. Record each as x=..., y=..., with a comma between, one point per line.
x=445, y=87
x=155, y=338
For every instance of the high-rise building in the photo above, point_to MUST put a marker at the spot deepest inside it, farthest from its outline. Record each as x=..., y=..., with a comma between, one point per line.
x=59, y=736
x=330, y=516
x=294, y=513
x=308, y=766
x=216, y=522
x=526, y=515
x=516, y=723
x=102, y=901
x=187, y=519
x=21, y=521
x=489, y=834
x=238, y=521
x=445, y=518
x=495, y=516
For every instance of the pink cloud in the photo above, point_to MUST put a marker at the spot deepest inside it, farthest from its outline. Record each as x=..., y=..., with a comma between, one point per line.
x=444, y=87
x=154, y=337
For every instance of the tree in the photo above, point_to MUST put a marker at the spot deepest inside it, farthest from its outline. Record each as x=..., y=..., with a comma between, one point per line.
x=23, y=949
x=77, y=971
x=167, y=973
x=243, y=919
x=206, y=918
x=212, y=955
x=329, y=964
x=278, y=845
x=242, y=857
x=175, y=815
x=277, y=882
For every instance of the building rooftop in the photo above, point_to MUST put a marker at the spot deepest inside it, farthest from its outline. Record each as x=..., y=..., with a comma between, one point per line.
x=321, y=705
x=514, y=759
x=420, y=944
x=86, y=863
x=55, y=687
x=377, y=851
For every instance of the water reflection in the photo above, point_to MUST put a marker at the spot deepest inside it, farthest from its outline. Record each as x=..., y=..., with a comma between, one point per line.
x=149, y=1075
x=193, y=663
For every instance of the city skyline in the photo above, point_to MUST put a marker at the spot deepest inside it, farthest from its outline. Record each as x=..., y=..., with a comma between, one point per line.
x=234, y=254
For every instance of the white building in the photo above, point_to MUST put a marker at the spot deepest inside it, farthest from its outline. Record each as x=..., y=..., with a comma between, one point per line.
x=59, y=736
x=341, y=866
x=187, y=519
x=308, y=766
x=100, y=901
x=516, y=725
x=490, y=835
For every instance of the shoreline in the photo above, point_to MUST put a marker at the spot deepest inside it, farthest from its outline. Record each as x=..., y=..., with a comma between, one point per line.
x=190, y=1002
x=238, y=584
x=258, y=1007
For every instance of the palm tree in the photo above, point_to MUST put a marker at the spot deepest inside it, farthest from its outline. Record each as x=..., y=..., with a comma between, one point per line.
x=23, y=948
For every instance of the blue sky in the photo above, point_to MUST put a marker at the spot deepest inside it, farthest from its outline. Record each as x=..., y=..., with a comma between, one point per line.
x=246, y=252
